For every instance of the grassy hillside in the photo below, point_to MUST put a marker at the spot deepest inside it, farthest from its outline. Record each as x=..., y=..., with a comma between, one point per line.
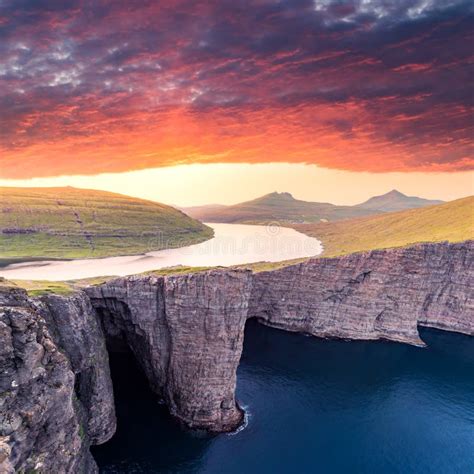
x=79, y=223
x=452, y=221
x=282, y=207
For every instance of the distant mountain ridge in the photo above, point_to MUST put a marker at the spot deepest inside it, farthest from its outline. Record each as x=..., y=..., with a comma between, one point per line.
x=284, y=207
x=396, y=201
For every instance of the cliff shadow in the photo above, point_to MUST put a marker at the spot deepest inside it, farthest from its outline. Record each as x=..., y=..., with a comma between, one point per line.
x=148, y=438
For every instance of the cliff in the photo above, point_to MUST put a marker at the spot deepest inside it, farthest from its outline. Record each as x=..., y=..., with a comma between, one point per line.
x=77, y=330
x=382, y=294
x=55, y=388
x=186, y=332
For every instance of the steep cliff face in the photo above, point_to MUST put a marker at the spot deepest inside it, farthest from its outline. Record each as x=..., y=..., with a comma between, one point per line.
x=383, y=294
x=42, y=422
x=76, y=329
x=187, y=334
x=186, y=331
x=449, y=303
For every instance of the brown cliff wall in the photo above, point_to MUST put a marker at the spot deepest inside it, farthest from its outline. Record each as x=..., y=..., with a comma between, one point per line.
x=187, y=334
x=383, y=294
x=77, y=331
x=43, y=424
x=186, y=331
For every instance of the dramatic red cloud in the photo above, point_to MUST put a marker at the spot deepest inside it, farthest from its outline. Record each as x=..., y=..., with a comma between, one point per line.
x=357, y=86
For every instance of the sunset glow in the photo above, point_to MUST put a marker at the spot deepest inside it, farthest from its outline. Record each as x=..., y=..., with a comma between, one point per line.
x=362, y=85
x=192, y=185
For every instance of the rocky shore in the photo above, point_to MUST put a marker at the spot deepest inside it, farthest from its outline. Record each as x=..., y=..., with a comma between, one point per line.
x=186, y=332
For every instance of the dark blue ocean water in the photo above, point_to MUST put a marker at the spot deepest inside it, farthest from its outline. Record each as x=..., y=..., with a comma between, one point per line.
x=315, y=407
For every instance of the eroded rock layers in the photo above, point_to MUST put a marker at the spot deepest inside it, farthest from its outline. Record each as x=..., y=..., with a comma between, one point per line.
x=49, y=412
x=187, y=334
x=383, y=294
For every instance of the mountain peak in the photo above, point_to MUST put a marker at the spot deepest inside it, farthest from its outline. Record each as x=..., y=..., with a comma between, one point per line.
x=394, y=200
x=281, y=196
x=394, y=192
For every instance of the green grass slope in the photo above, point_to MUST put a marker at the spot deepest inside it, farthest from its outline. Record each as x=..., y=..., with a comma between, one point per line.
x=452, y=221
x=79, y=223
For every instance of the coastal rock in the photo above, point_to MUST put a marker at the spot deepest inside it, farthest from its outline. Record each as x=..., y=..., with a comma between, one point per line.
x=41, y=419
x=382, y=294
x=186, y=331
x=187, y=334
x=76, y=329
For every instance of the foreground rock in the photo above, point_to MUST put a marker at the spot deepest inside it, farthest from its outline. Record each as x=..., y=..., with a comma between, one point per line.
x=77, y=330
x=44, y=425
x=187, y=334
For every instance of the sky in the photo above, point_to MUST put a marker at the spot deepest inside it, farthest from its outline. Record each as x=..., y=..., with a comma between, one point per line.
x=369, y=94
x=231, y=183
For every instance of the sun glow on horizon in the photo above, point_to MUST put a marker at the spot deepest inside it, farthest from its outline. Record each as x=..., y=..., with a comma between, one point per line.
x=199, y=184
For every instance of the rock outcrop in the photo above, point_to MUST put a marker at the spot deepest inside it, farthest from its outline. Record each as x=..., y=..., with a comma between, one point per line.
x=43, y=424
x=382, y=294
x=77, y=330
x=187, y=334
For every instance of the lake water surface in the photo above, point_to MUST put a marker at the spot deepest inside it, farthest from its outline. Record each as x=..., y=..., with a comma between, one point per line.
x=315, y=406
x=232, y=244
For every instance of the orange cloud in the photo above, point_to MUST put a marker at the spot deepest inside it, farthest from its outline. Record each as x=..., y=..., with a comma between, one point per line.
x=110, y=88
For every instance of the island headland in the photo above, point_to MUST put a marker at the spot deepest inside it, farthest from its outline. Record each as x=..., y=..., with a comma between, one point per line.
x=186, y=332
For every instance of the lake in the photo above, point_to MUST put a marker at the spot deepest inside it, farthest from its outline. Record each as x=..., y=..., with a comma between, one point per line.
x=232, y=244
x=315, y=406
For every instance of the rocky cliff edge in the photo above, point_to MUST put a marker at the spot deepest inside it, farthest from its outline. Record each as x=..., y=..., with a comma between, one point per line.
x=186, y=332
